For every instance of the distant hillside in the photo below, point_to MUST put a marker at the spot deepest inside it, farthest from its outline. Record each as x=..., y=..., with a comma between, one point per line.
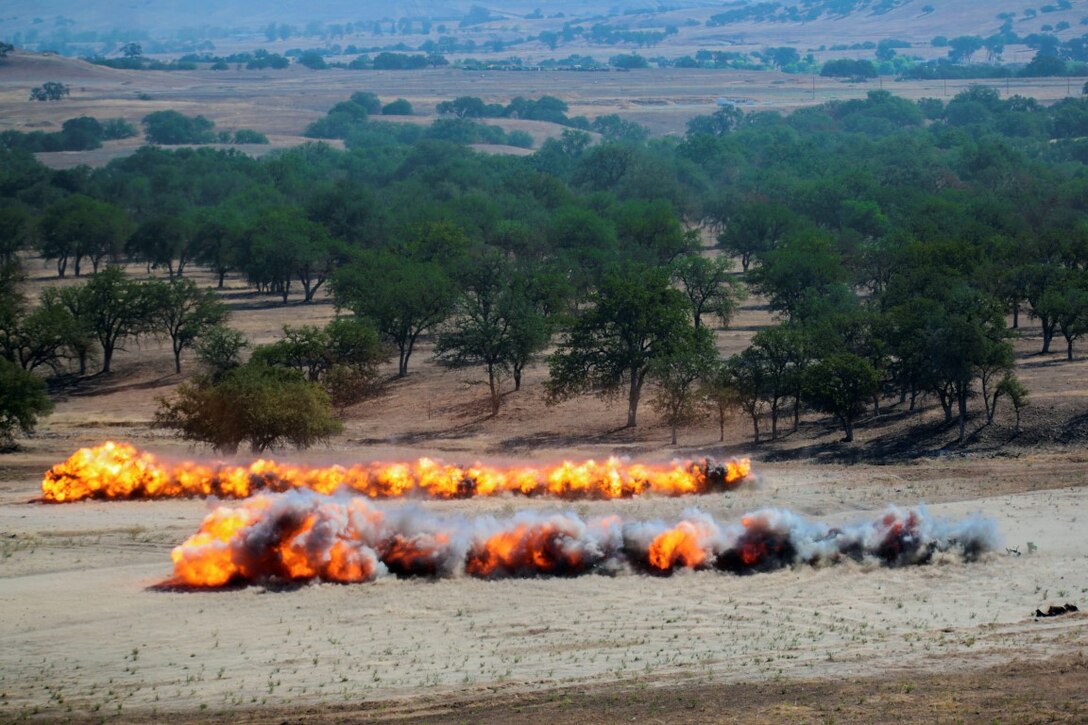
x=528, y=28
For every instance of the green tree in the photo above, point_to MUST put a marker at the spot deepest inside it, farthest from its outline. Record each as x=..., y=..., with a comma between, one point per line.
x=651, y=232
x=677, y=376
x=780, y=352
x=803, y=277
x=23, y=400
x=754, y=229
x=720, y=394
x=219, y=349
x=79, y=227
x=316, y=352
x=49, y=91
x=496, y=325
x=182, y=311
x=723, y=121
x=80, y=340
x=16, y=228
x=283, y=246
x=632, y=318
x=116, y=308
x=841, y=385
x=708, y=285
x=256, y=404
x=171, y=128
x=403, y=297
x=162, y=241
x=40, y=337
x=216, y=242
x=743, y=381
x=1011, y=387
x=1066, y=303
x=399, y=107
x=463, y=107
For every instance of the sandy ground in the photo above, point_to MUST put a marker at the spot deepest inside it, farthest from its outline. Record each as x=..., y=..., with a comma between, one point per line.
x=86, y=633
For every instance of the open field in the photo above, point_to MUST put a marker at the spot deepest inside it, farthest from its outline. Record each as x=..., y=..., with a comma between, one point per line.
x=281, y=103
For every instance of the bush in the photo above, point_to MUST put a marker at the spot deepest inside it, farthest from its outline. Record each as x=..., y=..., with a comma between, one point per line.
x=246, y=135
x=521, y=139
x=49, y=91
x=399, y=107
x=255, y=404
x=170, y=128
x=220, y=350
x=22, y=401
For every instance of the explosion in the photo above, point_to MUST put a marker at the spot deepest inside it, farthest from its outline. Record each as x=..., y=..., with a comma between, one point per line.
x=304, y=536
x=120, y=471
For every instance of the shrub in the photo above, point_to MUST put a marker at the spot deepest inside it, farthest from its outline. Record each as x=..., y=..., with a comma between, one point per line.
x=170, y=127
x=255, y=404
x=246, y=135
x=399, y=107
x=22, y=401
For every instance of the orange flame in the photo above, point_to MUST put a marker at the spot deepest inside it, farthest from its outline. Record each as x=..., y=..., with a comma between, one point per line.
x=679, y=546
x=120, y=471
x=538, y=548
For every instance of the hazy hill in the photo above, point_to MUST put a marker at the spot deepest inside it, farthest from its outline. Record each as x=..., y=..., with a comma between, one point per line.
x=81, y=28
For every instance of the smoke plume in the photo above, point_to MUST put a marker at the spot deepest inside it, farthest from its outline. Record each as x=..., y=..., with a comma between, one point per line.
x=301, y=535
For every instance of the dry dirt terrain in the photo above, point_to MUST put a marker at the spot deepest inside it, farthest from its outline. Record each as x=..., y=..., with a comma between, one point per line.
x=281, y=103
x=88, y=635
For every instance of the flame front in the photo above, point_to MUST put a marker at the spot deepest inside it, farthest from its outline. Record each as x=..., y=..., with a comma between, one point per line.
x=120, y=471
x=302, y=536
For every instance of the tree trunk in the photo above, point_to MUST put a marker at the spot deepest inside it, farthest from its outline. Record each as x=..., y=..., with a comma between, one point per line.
x=632, y=399
x=796, y=412
x=62, y=266
x=82, y=362
x=848, y=427
x=402, y=369
x=107, y=357
x=721, y=424
x=774, y=421
x=876, y=405
x=1016, y=315
x=222, y=274
x=494, y=390
x=1048, y=334
x=177, y=358
x=674, y=433
x=962, y=400
x=1069, y=349
x=755, y=425
x=1017, y=420
x=517, y=378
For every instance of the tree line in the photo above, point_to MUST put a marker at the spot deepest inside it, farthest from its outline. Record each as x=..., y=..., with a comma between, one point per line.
x=898, y=244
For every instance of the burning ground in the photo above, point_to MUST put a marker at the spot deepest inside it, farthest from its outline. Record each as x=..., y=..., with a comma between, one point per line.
x=301, y=536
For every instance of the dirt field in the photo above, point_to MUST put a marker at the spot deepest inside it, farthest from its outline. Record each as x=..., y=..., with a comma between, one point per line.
x=281, y=103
